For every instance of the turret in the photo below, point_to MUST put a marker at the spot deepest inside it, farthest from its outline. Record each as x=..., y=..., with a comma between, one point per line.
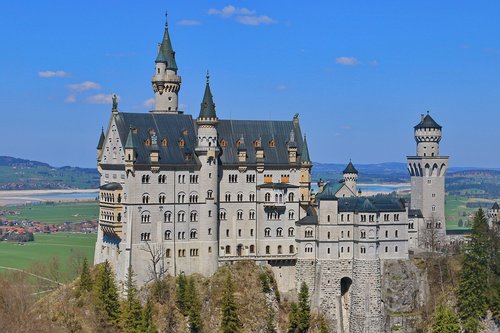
x=130, y=152
x=166, y=82
x=427, y=135
x=351, y=177
x=305, y=172
x=100, y=145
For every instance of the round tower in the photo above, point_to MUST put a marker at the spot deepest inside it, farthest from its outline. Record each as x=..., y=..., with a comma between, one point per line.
x=428, y=135
x=166, y=82
x=351, y=177
x=207, y=151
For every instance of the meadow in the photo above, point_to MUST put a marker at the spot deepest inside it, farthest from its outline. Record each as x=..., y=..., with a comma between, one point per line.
x=67, y=248
x=58, y=213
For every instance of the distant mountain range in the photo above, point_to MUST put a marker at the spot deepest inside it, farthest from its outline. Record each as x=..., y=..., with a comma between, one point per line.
x=21, y=174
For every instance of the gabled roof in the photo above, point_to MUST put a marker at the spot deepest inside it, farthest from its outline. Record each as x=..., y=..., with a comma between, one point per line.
x=378, y=203
x=427, y=122
x=101, y=140
x=130, y=144
x=350, y=168
x=166, y=53
x=329, y=191
x=207, y=110
x=310, y=218
x=495, y=206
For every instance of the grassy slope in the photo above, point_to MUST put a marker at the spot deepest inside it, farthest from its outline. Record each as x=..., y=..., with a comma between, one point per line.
x=58, y=213
x=45, y=247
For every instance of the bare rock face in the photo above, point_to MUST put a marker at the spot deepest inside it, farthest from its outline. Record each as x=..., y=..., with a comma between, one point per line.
x=404, y=290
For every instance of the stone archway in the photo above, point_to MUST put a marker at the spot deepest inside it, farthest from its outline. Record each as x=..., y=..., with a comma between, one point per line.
x=345, y=303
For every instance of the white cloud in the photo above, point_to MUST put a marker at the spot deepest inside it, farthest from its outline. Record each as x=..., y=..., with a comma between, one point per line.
x=70, y=99
x=189, y=22
x=86, y=85
x=242, y=15
x=255, y=20
x=53, y=74
x=101, y=99
x=347, y=61
x=149, y=103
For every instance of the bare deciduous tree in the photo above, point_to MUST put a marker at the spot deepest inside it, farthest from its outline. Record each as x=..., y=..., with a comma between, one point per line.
x=156, y=267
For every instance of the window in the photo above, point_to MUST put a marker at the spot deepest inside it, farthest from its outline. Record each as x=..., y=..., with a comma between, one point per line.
x=291, y=215
x=279, y=232
x=411, y=225
x=396, y=234
x=193, y=217
x=209, y=231
x=386, y=217
x=181, y=253
x=193, y=234
x=268, y=249
x=251, y=197
x=251, y=215
x=193, y=198
x=145, y=236
x=386, y=233
x=251, y=232
x=180, y=197
x=209, y=249
x=228, y=249
x=395, y=249
x=167, y=253
x=222, y=215
x=341, y=249
x=250, y=178
x=386, y=249
x=239, y=197
x=328, y=250
x=209, y=213
x=239, y=232
x=396, y=217
x=193, y=179
x=181, y=216
x=348, y=233
x=342, y=234
x=193, y=252
x=371, y=218
x=348, y=217
x=308, y=248
x=280, y=251
x=267, y=232
x=291, y=249
x=181, y=235
x=162, y=198
x=228, y=197
x=227, y=232
x=328, y=218
x=239, y=215
x=291, y=232
x=363, y=234
x=168, y=235
x=145, y=198
x=267, y=197
x=328, y=235
x=363, y=218
x=145, y=217
x=308, y=233
x=252, y=248
x=145, y=179
x=210, y=194
x=433, y=208
x=348, y=249
x=291, y=196
x=341, y=217
x=162, y=179
x=233, y=178
x=363, y=249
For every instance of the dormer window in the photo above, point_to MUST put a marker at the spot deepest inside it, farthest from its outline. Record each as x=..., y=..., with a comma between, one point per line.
x=134, y=130
x=223, y=143
x=147, y=142
x=181, y=143
x=164, y=142
x=256, y=143
x=272, y=143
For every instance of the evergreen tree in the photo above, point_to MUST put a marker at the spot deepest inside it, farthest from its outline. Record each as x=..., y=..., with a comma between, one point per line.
x=473, y=284
x=182, y=294
x=304, y=310
x=323, y=326
x=148, y=325
x=194, y=310
x=230, y=321
x=293, y=318
x=131, y=314
x=445, y=320
x=106, y=294
x=85, y=283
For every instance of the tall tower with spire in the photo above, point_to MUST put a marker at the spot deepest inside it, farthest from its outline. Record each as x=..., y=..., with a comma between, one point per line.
x=207, y=151
x=166, y=82
x=427, y=170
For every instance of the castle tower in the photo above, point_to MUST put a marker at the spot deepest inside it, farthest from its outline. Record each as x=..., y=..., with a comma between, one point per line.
x=351, y=177
x=208, y=153
x=428, y=170
x=305, y=172
x=166, y=82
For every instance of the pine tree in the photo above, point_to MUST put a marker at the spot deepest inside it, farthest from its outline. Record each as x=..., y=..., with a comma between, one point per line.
x=473, y=284
x=148, y=325
x=323, y=326
x=304, y=309
x=230, y=321
x=131, y=314
x=106, y=294
x=85, y=283
x=445, y=320
x=182, y=294
x=293, y=318
x=194, y=311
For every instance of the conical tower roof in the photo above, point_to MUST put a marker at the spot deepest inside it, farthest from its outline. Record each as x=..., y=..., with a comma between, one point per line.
x=350, y=168
x=207, y=110
x=166, y=52
x=130, y=144
x=428, y=122
x=304, y=154
x=101, y=140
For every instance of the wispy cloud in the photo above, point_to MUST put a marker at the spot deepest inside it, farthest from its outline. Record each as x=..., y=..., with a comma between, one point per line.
x=241, y=15
x=189, y=22
x=149, y=103
x=70, y=98
x=53, y=74
x=86, y=85
x=101, y=99
x=255, y=20
x=347, y=61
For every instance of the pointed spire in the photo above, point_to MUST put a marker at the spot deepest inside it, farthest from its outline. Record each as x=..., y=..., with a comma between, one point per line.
x=130, y=144
x=207, y=110
x=304, y=154
x=350, y=168
x=166, y=53
x=101, y=139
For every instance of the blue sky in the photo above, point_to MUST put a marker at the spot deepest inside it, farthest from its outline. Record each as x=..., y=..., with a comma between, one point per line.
x=359, y=73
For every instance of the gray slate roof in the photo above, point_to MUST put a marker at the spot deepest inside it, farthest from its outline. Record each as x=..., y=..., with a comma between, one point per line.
x=111, y=187
x=350, y=168
x=101, y=140
x=329, y=191
x=379, y=203
x=495, y=206
x=428, y=122
x=207, y=105
x=172, y=126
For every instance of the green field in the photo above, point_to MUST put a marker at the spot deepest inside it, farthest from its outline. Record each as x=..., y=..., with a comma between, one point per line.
x=63, y=246
x=58, y=213
x=457, y=210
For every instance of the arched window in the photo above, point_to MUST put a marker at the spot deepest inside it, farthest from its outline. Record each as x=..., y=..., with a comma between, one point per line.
x=251, y=197
x=222, y=214
x=308, y=233
x=268, y=249
x=181, y=197
x=193, y=217
x=210, y=194
x=193, y=234
x=167, y=216
x=291, y=249
x=181, y=216
x=280, y=251
x=239, y=215
x=309, y=248
x=252, y=248
x=228, y=249
x=291, y=196
x=167, y=253
x=145, y=198
x=267, y=232
x=291, y=232
x=251, y=215
x=145, y=217
x=362, y=234
x=291, y=215
x=168, y=235
x=239, y=197
x=228, y=197
x=267, y=197
x=162, y=198
x=279, y=232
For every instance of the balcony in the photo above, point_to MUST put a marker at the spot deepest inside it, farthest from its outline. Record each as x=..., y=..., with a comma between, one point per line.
x=111, y=228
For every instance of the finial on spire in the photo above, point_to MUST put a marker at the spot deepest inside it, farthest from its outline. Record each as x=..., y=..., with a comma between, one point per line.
x=166, y=18
x=208, y=77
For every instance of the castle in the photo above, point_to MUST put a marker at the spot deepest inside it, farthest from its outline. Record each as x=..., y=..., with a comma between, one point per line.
x=186, y=195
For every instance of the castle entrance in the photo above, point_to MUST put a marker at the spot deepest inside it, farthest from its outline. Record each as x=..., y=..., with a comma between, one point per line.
x=345, y=303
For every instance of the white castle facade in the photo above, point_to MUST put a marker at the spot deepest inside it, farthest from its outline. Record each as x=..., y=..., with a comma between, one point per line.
x=197, y=193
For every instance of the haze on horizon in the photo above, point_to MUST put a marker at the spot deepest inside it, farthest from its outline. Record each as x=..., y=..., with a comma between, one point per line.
x=359, y=74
